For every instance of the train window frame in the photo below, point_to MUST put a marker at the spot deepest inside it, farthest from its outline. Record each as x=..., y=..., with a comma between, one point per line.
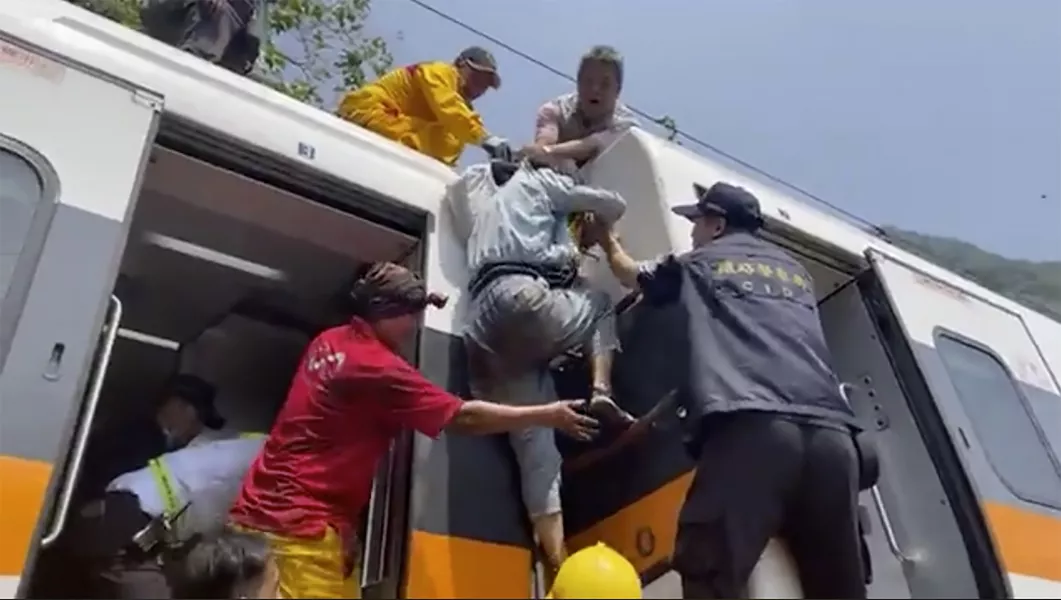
x=16, y=288
x=988, y=447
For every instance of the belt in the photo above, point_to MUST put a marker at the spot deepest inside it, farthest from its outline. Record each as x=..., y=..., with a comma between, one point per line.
x=557, y=276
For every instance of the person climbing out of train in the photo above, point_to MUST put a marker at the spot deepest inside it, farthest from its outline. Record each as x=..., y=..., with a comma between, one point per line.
x=576, y=127
x=764, y=419
x=428, y=106
x=191, y=489
x=228, y=33
x=351, y=396
x=528, y=306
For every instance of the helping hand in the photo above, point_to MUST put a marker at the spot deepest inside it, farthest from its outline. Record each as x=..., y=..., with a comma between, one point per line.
x=564, y=416
x=534, y=152
x=498, y=148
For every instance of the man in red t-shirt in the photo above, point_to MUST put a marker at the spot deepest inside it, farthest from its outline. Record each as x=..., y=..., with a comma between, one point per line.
x=351, y=396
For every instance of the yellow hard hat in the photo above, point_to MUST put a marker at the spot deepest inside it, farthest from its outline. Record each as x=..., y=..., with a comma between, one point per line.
x=596, y=572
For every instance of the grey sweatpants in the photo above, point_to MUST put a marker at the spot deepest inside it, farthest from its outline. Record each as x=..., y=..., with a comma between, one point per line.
x=515, y=327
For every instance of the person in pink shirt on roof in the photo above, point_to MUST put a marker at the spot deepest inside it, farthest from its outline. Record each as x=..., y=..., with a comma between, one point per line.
x=580, y=125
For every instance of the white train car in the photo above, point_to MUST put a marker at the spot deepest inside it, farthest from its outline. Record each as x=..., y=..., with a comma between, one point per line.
x=161, y=214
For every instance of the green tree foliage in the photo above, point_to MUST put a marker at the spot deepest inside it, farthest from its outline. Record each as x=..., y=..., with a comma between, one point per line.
x=1036, y=285
x=316, y=48
x=325, y=49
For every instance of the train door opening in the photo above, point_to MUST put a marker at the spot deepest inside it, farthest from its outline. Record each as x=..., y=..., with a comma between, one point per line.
x=227, y=278
x=987, y=381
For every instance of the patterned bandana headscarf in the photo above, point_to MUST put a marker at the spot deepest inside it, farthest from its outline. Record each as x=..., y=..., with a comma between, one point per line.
x=386, y=290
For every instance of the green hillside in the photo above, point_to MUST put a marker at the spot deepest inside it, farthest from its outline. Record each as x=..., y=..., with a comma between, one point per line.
x=1036, y=285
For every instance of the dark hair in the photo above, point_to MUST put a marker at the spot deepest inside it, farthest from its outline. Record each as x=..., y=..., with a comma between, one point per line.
x=200, y=394
x=220, y=567
x=385, y=289
x=605, y=55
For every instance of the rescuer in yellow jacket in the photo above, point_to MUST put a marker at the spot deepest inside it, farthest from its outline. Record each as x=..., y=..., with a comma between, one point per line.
x=427, y=106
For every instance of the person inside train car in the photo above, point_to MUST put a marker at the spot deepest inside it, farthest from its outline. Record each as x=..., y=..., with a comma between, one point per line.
x=428, y=106
x=192, y=489
x=529, y=306
x=765, y=421
x=351, y=395
x=228, y=33
x=232, y=564
x=186, y=415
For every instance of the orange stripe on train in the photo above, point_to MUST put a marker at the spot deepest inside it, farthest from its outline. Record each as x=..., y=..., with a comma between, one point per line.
x=442, y=566
x=23, y=484
x=1029, y=542
x=644, y=531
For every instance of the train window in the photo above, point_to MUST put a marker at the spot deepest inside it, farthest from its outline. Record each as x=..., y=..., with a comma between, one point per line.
x=21, y=189
x=27, y=194
x=1002, y=421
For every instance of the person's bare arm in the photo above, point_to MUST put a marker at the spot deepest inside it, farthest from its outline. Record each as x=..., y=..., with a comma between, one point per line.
x=483, y=418
x=586, y=148
x=410, y=401
x=623, y=266
x=659, y=281
x=547, y=124
x=576, y=150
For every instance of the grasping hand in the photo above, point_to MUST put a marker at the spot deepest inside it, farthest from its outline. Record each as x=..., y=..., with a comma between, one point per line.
x=564, y=416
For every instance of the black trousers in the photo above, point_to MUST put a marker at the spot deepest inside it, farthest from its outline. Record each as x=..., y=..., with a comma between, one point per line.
x=217, y=34
x=761, y=476
x=102, y=535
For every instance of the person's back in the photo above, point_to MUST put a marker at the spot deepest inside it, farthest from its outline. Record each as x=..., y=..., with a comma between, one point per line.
x=753, y=319
x=291, y=486
x=399, y=88
x=523, y=223
x=759, y=390
x=427, y=106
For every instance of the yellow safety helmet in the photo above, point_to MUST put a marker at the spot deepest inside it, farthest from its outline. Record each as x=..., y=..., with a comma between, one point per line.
x=596, y=572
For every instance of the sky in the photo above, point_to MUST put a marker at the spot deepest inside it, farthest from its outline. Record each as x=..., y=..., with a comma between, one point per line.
x=940, y=116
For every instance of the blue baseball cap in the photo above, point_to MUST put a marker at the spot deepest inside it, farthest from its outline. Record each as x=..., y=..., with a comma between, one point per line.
x=739, y=206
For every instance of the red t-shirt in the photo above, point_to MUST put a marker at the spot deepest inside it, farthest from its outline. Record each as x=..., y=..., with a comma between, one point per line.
x=350, y=397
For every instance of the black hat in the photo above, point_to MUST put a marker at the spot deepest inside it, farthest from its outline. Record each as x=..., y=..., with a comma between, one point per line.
x=200, y=394
x=480, y=59
x=739, y=206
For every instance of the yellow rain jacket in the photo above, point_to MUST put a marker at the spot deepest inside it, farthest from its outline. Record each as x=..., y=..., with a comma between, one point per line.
x=419, y=106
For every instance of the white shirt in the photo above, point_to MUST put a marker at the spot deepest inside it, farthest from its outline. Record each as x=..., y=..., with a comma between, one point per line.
x=207, y=476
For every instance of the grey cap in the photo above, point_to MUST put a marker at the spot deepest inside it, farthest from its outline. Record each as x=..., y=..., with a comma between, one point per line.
x=739, y=206
x=480, y=59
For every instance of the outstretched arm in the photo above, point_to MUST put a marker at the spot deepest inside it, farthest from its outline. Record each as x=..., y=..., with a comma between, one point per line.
x=547, y=134
x=409, y=401
x=659, y=280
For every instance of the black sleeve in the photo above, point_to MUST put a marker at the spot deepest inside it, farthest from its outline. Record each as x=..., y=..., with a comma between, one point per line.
x=660, y=281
